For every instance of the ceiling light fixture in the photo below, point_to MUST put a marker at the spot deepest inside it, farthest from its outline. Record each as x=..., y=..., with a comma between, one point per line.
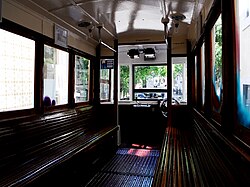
x=177, y=18
x=149, y=54
x=133, y=53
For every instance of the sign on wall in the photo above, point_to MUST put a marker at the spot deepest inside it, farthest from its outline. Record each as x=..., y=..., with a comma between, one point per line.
x=61, y=36
x=107, y=64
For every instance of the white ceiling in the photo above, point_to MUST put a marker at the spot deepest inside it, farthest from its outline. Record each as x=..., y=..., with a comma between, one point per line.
x=120, y=18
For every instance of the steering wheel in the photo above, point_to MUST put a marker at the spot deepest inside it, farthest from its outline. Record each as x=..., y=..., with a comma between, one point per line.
x=164, y=106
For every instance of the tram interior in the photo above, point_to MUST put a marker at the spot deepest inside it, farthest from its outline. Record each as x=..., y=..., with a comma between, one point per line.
x=124, y=93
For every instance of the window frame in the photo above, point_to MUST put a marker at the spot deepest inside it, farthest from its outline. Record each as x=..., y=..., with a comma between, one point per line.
x=129, y=82
x=56, y=107
x=216, y=115
x=29, y=34
x=40, y=41
x=172, y=79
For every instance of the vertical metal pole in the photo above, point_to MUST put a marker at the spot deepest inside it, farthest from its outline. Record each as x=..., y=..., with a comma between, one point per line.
x=97, y=72
x=169, y=72
x=116, y=107
x=1, y=10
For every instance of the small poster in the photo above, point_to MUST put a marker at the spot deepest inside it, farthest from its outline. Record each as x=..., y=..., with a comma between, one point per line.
x=107, y=64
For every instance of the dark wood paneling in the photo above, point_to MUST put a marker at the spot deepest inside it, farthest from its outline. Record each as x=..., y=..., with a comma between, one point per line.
x=31, y=147
x=208, y=74
x=194, y=153
x=141, y=125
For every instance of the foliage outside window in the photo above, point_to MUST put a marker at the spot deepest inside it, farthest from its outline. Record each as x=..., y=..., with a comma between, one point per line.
x=152, y=79
x=81, y=79
x=55, y=73
x=124, y=82
x=243, y=69
x=17, y=59
x=217, y=64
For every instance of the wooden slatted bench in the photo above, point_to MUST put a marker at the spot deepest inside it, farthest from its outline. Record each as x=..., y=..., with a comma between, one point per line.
x=33, y=147
x=195, y=154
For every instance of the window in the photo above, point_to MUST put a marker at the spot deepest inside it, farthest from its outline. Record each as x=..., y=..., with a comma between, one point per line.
x=243, y=76
x=196, y=79
x=217, y=65
x=150, y=82
x=17, y=59
x=55, y=74
x=82, y=74
x=124, y=82
x=179, y=77
x=203, y=73
x=106, y=80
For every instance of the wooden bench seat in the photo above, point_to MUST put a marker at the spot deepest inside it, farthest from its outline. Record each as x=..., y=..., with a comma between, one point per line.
x=194, y=155
x=31, y=148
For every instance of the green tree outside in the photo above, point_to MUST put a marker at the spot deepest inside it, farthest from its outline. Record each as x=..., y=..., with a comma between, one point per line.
x=217, y=68
x=124, y=81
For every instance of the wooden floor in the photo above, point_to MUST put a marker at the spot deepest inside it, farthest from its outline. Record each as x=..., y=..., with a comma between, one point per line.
x=129, y=167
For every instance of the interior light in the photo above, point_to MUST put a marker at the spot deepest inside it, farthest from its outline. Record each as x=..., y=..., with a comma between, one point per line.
x=149, y=53
x=133, y=53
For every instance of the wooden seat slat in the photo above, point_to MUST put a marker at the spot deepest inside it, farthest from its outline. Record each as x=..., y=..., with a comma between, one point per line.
x=194, y=155
x=31, y=148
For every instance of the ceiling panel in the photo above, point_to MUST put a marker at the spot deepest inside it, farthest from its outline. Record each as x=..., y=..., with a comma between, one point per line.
x=53, y=4
x=123, y=17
